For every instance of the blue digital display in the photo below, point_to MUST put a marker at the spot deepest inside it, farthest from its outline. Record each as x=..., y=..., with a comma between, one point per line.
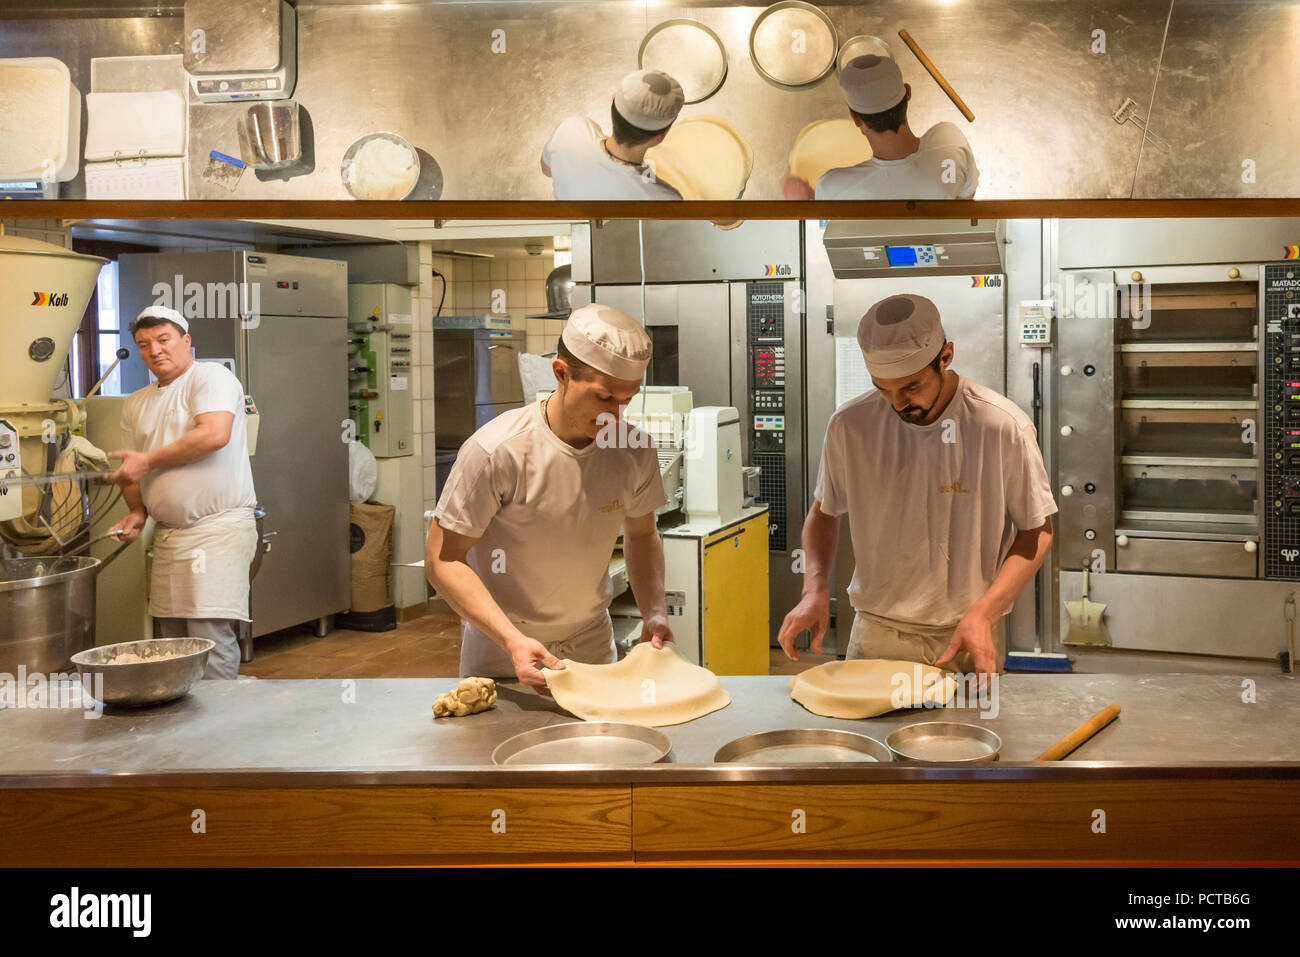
x=901, y=255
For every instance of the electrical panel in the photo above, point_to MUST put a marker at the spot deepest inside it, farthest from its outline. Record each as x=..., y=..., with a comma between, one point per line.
x=1280, y=314
x=380, y=372
x=765, y=321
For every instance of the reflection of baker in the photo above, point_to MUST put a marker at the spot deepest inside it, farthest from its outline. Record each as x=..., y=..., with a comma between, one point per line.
x=584, y=163
x=938, y=164
x=186, y=464
x=525, y=527
x=948, y=501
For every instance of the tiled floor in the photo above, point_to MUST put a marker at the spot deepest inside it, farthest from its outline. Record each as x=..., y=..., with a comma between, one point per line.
x=427, y=647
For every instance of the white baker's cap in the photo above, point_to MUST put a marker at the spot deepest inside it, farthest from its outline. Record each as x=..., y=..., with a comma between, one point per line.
x=872, y=84
x=649, y=99
x=163, y=312
x=609, y=341
x=900, y=335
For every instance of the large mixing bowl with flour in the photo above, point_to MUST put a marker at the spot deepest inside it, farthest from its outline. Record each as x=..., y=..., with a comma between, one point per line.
x=47, y=611
x=135, y=674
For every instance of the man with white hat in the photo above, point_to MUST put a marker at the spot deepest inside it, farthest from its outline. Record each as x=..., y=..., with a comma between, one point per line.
x=938, y=164
x=525, y=527
x=585, y=164
x=948, y=501
x=186, y=465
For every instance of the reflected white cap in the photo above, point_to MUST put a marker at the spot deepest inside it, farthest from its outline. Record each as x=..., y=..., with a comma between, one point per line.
x=609, y=341
x=900, y=335
x=164, y=312
x=649, y=99
x=872, y=84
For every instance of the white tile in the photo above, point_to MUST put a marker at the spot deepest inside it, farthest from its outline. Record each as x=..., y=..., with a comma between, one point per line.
x=426, y=413
x=535, y=327
x=430, y=454
x=516, y=294
x=415, y=412
x=430, y=483
x=426, y=254
x=517, y=269
x=482, y=296
x=415, y=443
x=426, y=381
x=554, y=327
x=481, y=271
x=416, y=342
x=498, y=271
x=426, y=348
x=535, y=344
x=535, y=295
x=536, y=268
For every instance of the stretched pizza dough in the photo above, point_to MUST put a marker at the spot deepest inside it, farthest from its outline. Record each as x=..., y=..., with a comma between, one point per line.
x=650, y=687
x=826, y=145
x=870, y=686
x=703, y=157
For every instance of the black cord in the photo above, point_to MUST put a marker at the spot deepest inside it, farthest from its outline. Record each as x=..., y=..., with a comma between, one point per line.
x=443, y=297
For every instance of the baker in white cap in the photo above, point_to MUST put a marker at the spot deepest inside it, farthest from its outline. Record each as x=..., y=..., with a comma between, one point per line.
x=947, y=498
x=186, y=465
x=527, y=522
x=938, y=164
x=584, y=163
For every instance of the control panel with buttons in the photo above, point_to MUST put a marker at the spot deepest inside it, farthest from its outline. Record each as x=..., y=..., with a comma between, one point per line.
x=1281, y=407
x=11, y=498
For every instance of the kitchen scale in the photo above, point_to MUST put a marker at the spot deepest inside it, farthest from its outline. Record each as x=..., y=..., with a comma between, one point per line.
x=241, y=49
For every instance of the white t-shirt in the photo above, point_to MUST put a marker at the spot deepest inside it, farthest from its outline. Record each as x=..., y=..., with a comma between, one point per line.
x=581, y=169
x=156, y=416
x=943, y=167
x=546, y=515
x=933, y=509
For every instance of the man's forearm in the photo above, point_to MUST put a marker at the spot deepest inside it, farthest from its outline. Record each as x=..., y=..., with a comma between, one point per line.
x=134, y=499
x=645, y=572
x=820, y=533
x=464, y=591
x=1028, y=550
x=196, y=444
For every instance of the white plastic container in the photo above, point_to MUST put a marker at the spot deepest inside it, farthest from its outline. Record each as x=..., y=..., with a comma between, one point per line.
x=40, y=120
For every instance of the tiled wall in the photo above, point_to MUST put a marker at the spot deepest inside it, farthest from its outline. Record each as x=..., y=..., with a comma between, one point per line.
x=471, y=285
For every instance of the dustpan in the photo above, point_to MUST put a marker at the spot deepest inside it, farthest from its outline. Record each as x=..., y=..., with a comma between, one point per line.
x=1086, y=624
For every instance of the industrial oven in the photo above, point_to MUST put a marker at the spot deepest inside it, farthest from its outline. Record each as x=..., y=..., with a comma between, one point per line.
x=1178, y=394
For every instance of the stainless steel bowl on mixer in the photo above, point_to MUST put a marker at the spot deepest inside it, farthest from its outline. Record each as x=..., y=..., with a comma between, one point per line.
x=169, y=669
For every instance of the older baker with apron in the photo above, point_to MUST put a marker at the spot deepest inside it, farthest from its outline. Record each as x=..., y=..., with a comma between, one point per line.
x=948, y=501
x=525, y=527
x=186, y=465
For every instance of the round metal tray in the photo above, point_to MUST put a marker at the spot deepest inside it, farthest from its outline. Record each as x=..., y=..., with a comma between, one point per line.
x=862, y=45
x=585, y=744
x=771, y=44
x=350, y=155
x=944, y=742
x=689, y=52
x=802, y=746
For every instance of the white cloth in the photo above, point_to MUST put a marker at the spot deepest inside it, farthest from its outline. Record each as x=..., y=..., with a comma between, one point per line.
x=582, y=170
x=933, y=509
x=363, y=472
x=608, y=340
x=156, y=416
x=546, y=516
x=943, y=154
x=872, y=84
x=202, y=571
x=649, y=99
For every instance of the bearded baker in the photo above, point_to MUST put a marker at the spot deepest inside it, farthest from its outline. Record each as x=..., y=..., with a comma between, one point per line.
x=186, y=465
x=585, y=164
x=525, y=527
x=947, y=498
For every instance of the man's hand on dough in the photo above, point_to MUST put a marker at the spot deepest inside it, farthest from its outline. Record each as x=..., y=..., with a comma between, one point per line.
x=528, y=657
x=655, y=630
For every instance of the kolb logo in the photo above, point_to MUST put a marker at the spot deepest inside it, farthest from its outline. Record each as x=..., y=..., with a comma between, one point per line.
x=1290, y=554
x=49, y=298
x=982, y=282
x=774, y=270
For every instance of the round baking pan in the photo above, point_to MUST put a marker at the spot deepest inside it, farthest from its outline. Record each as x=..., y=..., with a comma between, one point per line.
x=689, y=52
x=772, y=43
x=584, y=744
x=944, y=742
x=802, y=746
x=862, y=45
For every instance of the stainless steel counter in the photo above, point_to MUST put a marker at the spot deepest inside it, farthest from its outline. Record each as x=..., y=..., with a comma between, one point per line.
x=305, y=732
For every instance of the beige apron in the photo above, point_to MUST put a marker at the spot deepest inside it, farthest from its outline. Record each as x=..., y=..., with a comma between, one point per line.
x=202, y=571
x=876, y=637
x=591, y=643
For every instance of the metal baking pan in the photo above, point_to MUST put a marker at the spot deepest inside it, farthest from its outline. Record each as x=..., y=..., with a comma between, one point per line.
x=802, y=746
x=773, y=54
x=944, y=742
x=862, y=45
x=585, y=744
x=689, y=52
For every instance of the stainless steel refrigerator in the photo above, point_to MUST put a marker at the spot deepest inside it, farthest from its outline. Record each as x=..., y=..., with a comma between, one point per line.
x=280, y=324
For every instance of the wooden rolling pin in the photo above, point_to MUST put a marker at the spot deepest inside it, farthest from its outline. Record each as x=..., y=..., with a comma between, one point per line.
x=1080, y=734
x=938, y=77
